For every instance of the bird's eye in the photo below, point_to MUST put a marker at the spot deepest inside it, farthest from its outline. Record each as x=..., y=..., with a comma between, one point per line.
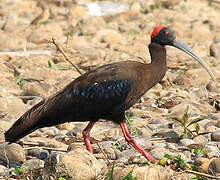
x=166, y=33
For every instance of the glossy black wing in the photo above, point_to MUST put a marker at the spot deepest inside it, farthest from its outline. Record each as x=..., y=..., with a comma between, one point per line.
x=97, y=100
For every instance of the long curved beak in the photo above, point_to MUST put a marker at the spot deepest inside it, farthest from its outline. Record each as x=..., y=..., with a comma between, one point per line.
x=180, y=45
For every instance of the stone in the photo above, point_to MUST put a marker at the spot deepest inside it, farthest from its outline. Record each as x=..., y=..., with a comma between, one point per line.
x=12, y=152
x=215, y=136
x=198, y=75
x=38, y=153
x=144, y=172
x=64, y=126
x=214, y=167
x=181, y=80
x=178, y=110
x=218, y=124
x=160, y=131
x=10, y=40
x=187, y=142
x=211, y=129
x=212, y=86
x=76, y=164
x=215, y=49
x=203, y=164
x=129, y=155
x=167, y=3
x=2, y=136
x=159, y=152
x=51, y=30
x=212, y=150
x=4, y=171
x=43, y=141
x=50, y=131
x=110, y=36
x=36, y=89
x=172, y=136
x=13, y=107
x=5, y=125
x=144, y=141
x=43, y=155
x=200, y=140
x=33, y=164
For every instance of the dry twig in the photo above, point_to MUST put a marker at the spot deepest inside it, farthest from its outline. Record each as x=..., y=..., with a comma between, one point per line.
x=62, y=52
x=103, y=153
x=202, y=174
x=47, y=148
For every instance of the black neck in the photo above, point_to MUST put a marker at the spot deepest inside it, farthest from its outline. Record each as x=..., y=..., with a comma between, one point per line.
x=158, y=54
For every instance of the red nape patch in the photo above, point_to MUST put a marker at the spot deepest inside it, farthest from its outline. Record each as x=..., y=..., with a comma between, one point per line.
x=156, y=31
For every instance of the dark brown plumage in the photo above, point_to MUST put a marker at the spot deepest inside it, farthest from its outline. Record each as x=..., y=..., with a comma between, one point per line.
x=103, y=93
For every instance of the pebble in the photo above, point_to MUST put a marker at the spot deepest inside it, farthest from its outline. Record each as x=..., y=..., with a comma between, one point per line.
x=159, y=152
x=43, y=141
x=211, y=129
x=203, y=164
x=12, y=153
x=218, y=124
x=215, y=49
x=200, y=140
x=76, y=164
x=43, y=155
x=3, y=171
x=172, y=136
x=214, y=167
x=33, y=164
x=215, y=136
x=212, y=150
x=144, y=141
x=144, y=172
x=187, y=142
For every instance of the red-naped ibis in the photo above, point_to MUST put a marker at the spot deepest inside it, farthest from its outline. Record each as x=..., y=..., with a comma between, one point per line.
x=103, y=93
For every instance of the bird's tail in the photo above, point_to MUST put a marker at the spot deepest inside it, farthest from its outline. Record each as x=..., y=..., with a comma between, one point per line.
x=27, y=123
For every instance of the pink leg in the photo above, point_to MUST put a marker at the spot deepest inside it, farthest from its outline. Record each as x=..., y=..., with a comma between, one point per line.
x=131, y=141
x=86, y=135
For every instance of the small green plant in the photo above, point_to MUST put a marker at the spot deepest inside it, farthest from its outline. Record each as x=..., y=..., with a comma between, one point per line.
x=112, y=171
x=185, y=121
x=62, y=178
x=17, y=170
x=20, y=83
x=198, y=151
x=23, y=173
x=129, y=176
x=174, y=161
x=155, y=6
x=130, y=122
x=117, y=146
x=49, y=64
x=61, y=67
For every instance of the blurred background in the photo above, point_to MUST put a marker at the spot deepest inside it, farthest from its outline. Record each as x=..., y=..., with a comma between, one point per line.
x=94, y=33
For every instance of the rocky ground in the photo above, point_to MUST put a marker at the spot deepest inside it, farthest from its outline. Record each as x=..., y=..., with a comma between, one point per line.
x=177, y=121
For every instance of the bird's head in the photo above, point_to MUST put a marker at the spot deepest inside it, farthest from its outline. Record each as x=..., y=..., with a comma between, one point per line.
x=164, y=36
